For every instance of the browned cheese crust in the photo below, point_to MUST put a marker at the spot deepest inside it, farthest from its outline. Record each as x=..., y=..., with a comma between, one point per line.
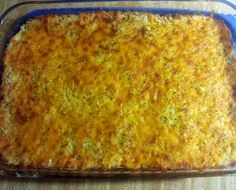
x=119, y=90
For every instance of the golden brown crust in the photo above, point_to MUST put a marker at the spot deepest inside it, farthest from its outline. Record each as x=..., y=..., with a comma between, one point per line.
x=118, y=89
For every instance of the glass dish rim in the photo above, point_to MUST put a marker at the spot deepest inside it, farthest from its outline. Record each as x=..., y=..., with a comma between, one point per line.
x=35, y=2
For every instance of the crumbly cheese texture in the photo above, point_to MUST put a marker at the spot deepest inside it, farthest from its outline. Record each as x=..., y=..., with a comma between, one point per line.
x=118, y=90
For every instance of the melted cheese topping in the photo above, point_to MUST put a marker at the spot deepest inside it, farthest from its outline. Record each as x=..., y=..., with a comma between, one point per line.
x=117, y=89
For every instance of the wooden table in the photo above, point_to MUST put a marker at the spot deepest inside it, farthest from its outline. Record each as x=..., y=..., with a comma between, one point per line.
x=215, y=183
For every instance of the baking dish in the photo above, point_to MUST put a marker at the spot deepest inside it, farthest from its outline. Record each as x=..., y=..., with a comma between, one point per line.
x=12, y=20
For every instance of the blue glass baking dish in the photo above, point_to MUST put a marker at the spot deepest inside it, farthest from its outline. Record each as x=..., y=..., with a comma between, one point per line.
x=15, y=16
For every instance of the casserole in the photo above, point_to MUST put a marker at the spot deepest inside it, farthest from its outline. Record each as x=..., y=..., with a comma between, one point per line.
x=23, y=116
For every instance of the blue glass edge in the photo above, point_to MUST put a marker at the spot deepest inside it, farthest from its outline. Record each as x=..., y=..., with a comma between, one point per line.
x=221, y=1
x=230, y=20
x=2, y=16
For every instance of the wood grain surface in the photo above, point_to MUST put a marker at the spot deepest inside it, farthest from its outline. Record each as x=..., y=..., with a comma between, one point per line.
x=215, y=183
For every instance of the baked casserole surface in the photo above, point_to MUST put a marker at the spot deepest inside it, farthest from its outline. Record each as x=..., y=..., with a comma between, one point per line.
x=104, y=90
